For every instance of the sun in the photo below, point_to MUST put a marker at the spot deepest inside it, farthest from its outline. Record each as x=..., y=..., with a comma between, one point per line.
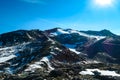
x=104, y=3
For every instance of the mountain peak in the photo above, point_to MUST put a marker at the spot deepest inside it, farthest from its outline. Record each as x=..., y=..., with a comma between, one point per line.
x=103, y=32
x=107, y=33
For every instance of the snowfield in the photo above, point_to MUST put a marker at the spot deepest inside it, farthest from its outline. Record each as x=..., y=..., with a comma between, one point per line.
x=4, y=59
x=62, y=31
x=9, y=53
x=37, y=65
x=102, y=72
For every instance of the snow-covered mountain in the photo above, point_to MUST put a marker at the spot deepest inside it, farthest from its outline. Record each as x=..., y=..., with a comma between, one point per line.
x=88, y=42
x=29, y=50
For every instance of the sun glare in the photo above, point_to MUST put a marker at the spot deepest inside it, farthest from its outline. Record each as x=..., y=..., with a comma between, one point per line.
x=104, y=3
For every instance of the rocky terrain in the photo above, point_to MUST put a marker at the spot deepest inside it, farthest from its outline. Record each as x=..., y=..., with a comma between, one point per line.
x=59, y=54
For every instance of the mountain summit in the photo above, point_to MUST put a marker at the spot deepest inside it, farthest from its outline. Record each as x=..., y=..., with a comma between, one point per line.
x=104, y=32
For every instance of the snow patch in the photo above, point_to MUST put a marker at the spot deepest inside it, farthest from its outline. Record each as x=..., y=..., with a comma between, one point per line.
x=71, y=47
x=53, y=42
x=59, y=32
x=86, y=35
x=29, y=36
x=53, y=53
x=37, y=64
x=73, y=50
x=102, y=72
x=9, y=53
x=58, y=49
x=4, y=59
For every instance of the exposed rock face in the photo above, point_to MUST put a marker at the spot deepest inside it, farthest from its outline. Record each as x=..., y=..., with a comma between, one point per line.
x=108, y=45
x=20, y=36
x=112, y=47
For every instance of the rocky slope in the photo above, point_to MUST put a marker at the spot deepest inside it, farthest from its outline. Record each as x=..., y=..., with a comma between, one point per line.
x=26, y=51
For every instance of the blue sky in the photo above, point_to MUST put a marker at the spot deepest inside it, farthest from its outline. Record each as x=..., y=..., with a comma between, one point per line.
x=46, y=14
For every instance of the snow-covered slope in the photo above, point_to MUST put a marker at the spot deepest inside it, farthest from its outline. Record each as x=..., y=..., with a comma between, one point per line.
x=70, y=31
x=101, y=72
x=9, y=53
x=72, y=39
x=39, y=65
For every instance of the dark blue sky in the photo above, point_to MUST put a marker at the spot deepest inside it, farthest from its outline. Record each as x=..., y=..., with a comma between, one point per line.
x=46, y=14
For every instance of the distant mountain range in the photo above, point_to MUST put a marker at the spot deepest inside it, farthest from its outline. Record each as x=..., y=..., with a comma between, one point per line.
x=28, y=50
